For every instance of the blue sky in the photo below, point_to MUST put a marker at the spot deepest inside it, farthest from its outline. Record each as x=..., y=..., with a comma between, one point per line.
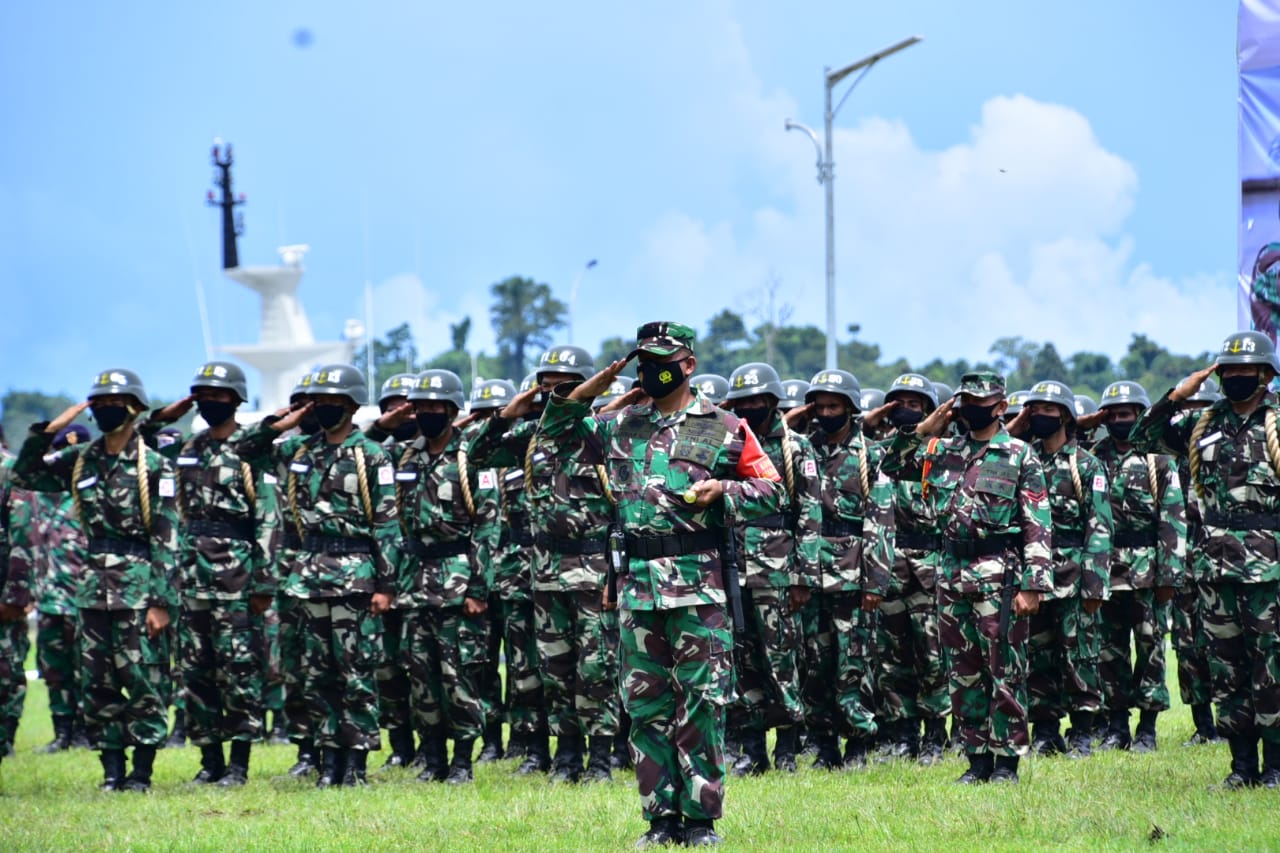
x=433, y=149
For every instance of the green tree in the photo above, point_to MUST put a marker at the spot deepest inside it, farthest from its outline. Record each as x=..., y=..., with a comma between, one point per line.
x=1048, y=366
x=725, y=344
x=395, y=353
x=1015, y=358
x=1090, y=372
x=24, y=408
x=523, y=314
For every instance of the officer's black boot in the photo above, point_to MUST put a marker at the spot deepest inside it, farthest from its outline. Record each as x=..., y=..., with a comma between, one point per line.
x=1117, y=736
x=308, y=760
x=178, y=736
x=333, y=764
x=784, y=749
x=491, y=750
x=435, y=759
x=981, y=767
x=1046, y=738
x=1080, y=737
x=355, y=773
x=1006, y=769
x=1206, y=732
x=212, y=764
x=700, y=833
x=663, y=832
x=238, y=767
x=279, y=735
x=567, y=766
x=755, y=754
x=112, y=769
x=1270, y=764
x=460, y=768
x=1144, y=738
x=600, y=750
x=1244, y=761
x=401, y=741
x=828, y=745
x=934, y=740
x=61, y=734
x=537, y=756
x=139, y=781
x=855, y=751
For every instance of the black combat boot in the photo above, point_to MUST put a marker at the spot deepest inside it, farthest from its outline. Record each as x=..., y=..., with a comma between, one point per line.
x=401, y=741
x=178, y=736
x=1270, y=764
x=308, y=761
x=1080, y=736
x=784, y=749
x=1244, y=761
x=1047, y=738
x=537, y=756
x=1006, y=769
x=1117, y=736
x=333, y=765
x=11, y=726
x=934, y=740
x=112, y=769
x=663, y=832
x=80, y=737
x=491, y=748
x=855, y=751
x=139, y=781
x=279, y=735
x=828, y=745
x=238, y=767
x=567, y=766
x=1144, y=738
x=981, y=767
x=754, y=760
x=700, y=833
x=621, y=759
x=517, y=744
x=355, y=773
x=600, y=750
x=1206, y=731
x=212, y=764
x=460, y=768
x=902, y=738
x=435, y=759
x=62, y=725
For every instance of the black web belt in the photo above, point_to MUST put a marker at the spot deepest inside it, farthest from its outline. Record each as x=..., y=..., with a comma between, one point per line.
x=969, y=549
x=773, y=521
x=337, y=545
x=840, y=527
x=1134, y=539
x=1243, y=520
x=1067, y=538
x=652, y=547
x=120, y=547
x=220, y=529
x=572, y=547
x=436, y=550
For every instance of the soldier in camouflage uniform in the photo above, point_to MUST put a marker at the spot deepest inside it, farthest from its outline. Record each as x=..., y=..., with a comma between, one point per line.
x=1063, y=648
x=340, y=491
x=124, y=493
x=1015, y=401
x=870, y=399
x=856, y=561
x=780, y=553
x=988, y=489
x=1147, y=567
x=229, y=530
x=679, y=468
x=712, y=386
x=15, y=603
x=1233, y=455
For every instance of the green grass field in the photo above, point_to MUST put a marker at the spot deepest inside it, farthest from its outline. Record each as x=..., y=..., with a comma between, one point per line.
x=1111, y=801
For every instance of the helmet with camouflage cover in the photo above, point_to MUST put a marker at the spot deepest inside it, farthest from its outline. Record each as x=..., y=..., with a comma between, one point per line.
x=492, y=394
x=398, y=385
x=712, y=385
x=222, y=374
x=840, y=382
x=793, y=391
x=339, y=380
x=616, y=389
x=944, y=391
x=567, y=361
x=1084, y=405
x=119, y=381
x=1208, y=392
x=437, y=384
x=1015, y=399
x=1124, y=393
x=914, y=383
x=1249, y=348
x=752, y=379
x=870, y=398
x=1052, y=392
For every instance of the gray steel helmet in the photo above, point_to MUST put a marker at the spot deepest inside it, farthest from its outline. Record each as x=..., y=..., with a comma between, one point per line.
x=1085, y=405
x=1052, y=392
x=567, y=361
x=302, y=388
x=712, y=385
x=616, y=389
x=753, y=379
x=339, y=380
x=1207, y=393
x=1124, y=393
x=1249, y=348
x=397, y=386
x=944, y=391
x=492, y=394
x=914, y=383
x=119, y=381
x=1015, y=399
x=840, y=382
x=437, y=384
x=870, y=398
x=528, y=382
x=222, y=374
x=793, y=391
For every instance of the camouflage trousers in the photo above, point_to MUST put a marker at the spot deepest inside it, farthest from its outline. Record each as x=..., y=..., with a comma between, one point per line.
x=223, y=654
x=766, y=663
x=59, y=662
x=491, y=671
x=1191, y=645
x=526, y=708
x=578, y=653
x=174, y=695
x=1062, y=660
x=1243, y=628
x=444, y=653
x=677, y=677
x=912, y=677
x=272, y=674
x=292, y=616
x=342, y=646
x=393, y=674
x=124, y=679
x=14, y=645
x=838, y=689
x=987, y=673
x=1133, y=677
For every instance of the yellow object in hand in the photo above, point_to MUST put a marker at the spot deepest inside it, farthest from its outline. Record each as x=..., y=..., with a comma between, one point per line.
x=690, y=496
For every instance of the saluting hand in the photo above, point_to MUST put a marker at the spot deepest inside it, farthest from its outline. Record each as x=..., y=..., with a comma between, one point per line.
x=65, y=419
x=634, y=397
x=1020, y=423
x=175, y=410
x=1091, y=421
x=598, y=384
x=937, y=420
x=1192, y=384
x=290, y=418
x=395, y=417
x=521, y=404
x=876, y=416
x=798, y=415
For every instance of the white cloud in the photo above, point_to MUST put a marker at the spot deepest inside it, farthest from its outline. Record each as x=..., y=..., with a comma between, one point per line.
x=429, y=311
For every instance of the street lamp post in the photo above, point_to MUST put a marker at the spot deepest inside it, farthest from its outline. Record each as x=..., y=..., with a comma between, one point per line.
x=826, y=168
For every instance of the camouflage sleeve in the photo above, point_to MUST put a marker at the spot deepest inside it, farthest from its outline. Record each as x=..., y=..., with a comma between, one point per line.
x=1037, y=524
x=1157, y=431
x=19, y=575
x=564, y=417
x=1171, y=552
x=900, y=453
x=268, y=535
x=486, y=530
x=746, y=496
x=258, y=447
x=807, y=565
x=165, y=577
x=1095, y=568
x=500, y=443
x=386, y=520
x=878, y=534
x=377, y=434
x=38, y=472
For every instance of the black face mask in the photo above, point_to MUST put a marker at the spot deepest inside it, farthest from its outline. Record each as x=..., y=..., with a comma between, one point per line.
x=660, y=378
x=407, y=431
x=831, y=424
x=329, y=416
x=978, y=418
x=1237, y=389
x=431, y=424
x=110, y=418
x=755, y=417
x=1043, y=426
x=215, y=413
x=901, y=417
x=1120, y=432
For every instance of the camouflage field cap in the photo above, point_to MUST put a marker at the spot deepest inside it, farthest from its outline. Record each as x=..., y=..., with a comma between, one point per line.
x=663, y=338
x=983, y=383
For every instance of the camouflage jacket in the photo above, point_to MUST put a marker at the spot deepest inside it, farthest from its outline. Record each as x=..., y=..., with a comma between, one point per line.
x=787, y=550
x=500, y=445
x=16, y=575
x=114, y=509
x=1079, y=501
x=1137, y=512
x=652, y=460
x=978, y=490
x=1238, y=489
x=329, y=506
x=1199, y=567
x=47, y=540
x=854, y=559
x=441, y=510
x=913, y=520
